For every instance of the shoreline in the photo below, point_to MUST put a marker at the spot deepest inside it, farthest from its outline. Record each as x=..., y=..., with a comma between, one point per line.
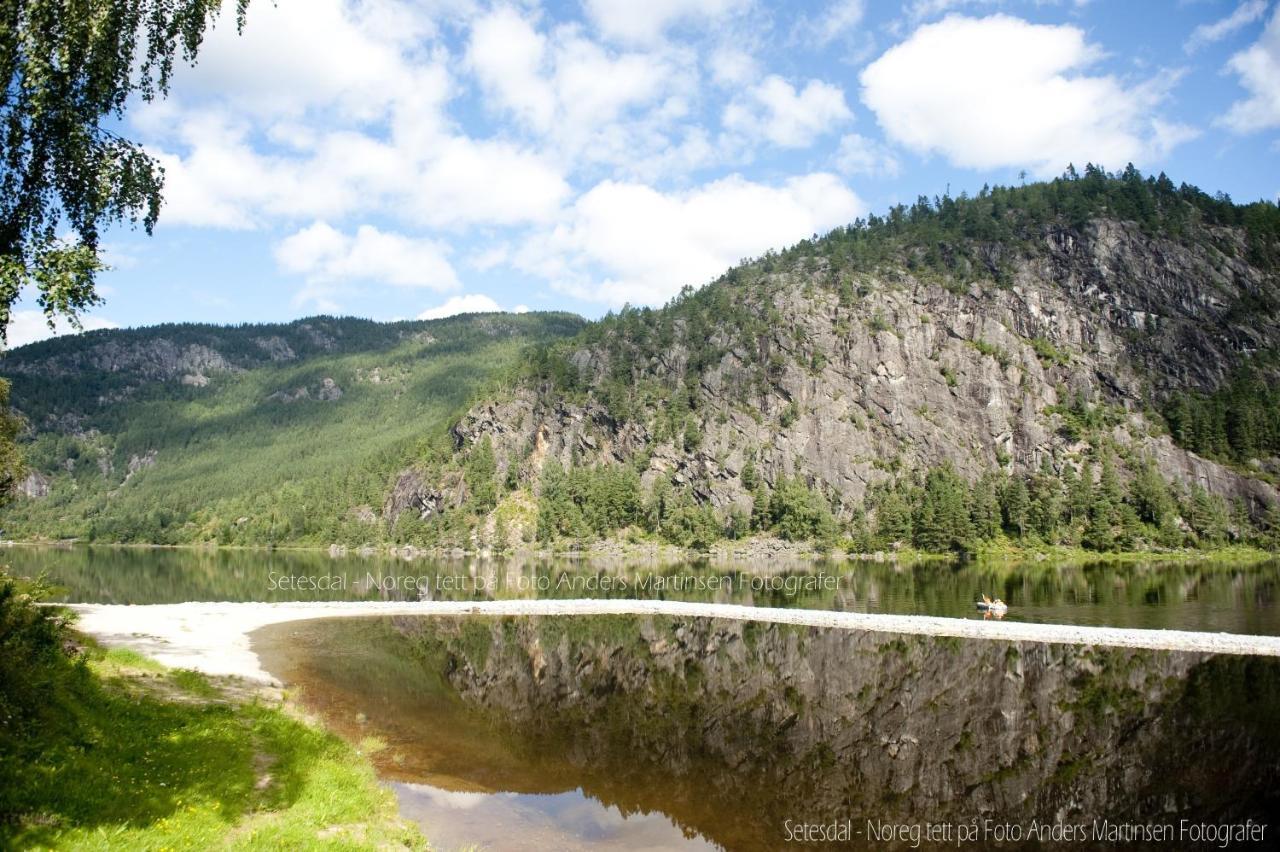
x=216, y=638
x=746, y=550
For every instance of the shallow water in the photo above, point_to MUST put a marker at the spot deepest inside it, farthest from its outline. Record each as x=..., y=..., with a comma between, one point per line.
x=466, y=780
x=651, y=732
x=1207, y=596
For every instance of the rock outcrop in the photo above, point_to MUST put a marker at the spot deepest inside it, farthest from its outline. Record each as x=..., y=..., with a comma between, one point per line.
x=861, y=375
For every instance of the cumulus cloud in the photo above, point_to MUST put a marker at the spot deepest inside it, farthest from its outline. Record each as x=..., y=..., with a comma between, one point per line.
x=323, y=254
x=788, y=118
x=1246, y=13
x=223, y=180
x=471, y=303
x=628, y=242
x=1258, y=69
x=858, y=155
x=628, y=20
x=999, y=91
x=293, y=56
x=29, y=326
x=584, y=101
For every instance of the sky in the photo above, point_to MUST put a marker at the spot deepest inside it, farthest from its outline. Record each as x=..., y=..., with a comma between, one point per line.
x=393, y=160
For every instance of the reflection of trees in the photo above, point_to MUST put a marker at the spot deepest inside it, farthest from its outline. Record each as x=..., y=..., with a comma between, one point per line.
x=1192, y=595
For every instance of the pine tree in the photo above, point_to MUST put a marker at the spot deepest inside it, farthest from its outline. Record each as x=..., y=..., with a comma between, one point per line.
x=985, y=507
x=942, y=516
x=893, y=518
x=1015, y=504
x=1045, y=510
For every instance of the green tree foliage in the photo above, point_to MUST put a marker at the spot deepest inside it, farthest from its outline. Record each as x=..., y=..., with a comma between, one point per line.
x=12, y=468
x=985, y=507
x=1015, y=505
x=1238, y=422
x=69, y=69
x=798, y=512
x=585, y=502
x=480, y=469
x=942, y=522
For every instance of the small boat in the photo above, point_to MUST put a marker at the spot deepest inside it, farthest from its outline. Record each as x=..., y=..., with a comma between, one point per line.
x=995, y=607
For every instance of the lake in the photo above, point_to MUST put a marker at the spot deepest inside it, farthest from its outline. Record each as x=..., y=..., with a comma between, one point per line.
x=630, y=733
x=656, y=732
x=1205, y=595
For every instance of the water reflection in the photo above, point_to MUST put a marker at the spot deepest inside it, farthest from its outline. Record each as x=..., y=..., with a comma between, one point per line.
x=567, y=821
x=1210, y=596
x=660, y=732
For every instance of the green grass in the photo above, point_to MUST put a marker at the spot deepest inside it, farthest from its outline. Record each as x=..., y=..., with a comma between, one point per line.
x=148, y=761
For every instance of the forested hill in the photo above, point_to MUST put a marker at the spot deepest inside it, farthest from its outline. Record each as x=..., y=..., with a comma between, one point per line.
x=1086, y=361
x=1038, y=345
x=244, y=434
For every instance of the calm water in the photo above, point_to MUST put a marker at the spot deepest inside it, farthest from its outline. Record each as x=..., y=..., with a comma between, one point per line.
x=645, y=733
x=467, y=779
x=1235, y=598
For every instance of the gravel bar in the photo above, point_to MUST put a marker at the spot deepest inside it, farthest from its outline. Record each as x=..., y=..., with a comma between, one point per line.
x=214, y=638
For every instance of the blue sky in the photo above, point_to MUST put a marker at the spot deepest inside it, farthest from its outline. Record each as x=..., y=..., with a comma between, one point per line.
x=397, y=159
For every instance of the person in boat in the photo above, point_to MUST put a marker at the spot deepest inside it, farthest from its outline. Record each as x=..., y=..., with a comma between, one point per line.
x=990, y=605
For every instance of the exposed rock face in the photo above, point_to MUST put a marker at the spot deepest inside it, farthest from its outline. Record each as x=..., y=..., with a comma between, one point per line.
x=776, y=722
x=415, y=493
x=329, y=391
x=326, y=391
x=34, y=486
x=276, y=347
x=150, y=360
x=910, y=374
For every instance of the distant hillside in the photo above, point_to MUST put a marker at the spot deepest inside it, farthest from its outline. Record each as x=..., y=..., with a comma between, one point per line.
x=281, y=433
x=987, y=353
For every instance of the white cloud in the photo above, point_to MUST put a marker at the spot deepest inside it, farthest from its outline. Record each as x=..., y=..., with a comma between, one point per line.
x=586, y=103
x=1246, y=13
x=787, y=118
x=1258, y=68
x=633, y=21
x=834, y=21
x=520, y=309
x=731, y=66
x=298, y=54
x=858, y=155
x=29, y=326
x=919, y=10
x=999, y=91
x=628, y=242
x=471, y=303
x=483, y=182
x=325, y=255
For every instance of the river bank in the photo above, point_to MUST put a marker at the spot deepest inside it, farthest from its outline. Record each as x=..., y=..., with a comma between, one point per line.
x=104, y=748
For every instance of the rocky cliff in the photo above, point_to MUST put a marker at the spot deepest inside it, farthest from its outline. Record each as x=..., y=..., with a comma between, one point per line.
x=847, y=373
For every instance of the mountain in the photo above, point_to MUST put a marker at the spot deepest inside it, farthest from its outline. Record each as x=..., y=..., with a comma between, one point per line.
x=1086, y=361
x=250, y=434
x=1106, y=327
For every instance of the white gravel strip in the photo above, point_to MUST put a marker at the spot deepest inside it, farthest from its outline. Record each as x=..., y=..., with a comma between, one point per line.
x=214, y=637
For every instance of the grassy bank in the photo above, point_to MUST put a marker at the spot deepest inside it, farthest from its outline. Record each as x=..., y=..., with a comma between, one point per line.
x=109, y=750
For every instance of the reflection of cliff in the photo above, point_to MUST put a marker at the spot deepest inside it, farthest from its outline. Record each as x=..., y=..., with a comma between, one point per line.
x=771, y=722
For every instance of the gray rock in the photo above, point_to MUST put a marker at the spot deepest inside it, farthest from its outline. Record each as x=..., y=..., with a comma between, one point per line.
x=911, y=374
